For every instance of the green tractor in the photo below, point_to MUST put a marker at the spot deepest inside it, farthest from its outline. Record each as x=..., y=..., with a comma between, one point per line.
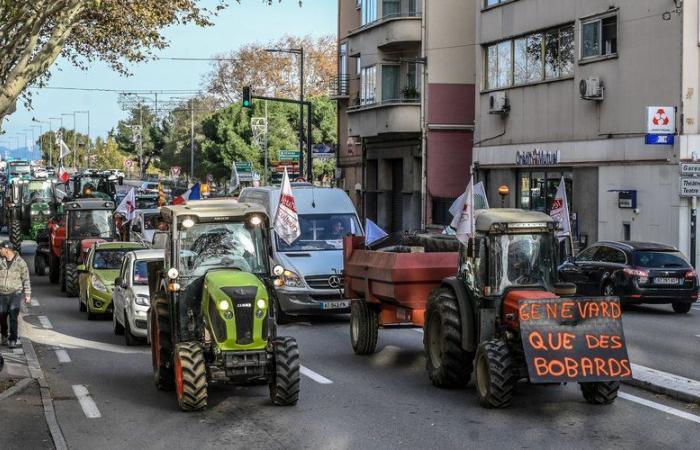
x=211, y=317
x=27, y=208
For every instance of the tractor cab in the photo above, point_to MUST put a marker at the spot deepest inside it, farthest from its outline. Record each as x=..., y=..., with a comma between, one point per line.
x=94, y=185
x=37, y=197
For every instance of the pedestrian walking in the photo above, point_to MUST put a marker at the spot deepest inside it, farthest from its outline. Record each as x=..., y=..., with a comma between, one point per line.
x=14, y=286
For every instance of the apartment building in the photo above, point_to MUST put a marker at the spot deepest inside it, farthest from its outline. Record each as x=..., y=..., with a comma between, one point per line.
x=564, y=88
x=405, y=107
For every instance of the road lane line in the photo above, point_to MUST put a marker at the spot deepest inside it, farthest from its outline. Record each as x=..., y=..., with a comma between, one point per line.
x=659, y=407
x=318, y=378
x=86, y=402
x=62, y=356
x=45, y=322
x=34, y=302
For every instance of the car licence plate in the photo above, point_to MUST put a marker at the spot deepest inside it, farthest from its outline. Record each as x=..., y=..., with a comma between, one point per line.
x=666, y=280
x=340, y=304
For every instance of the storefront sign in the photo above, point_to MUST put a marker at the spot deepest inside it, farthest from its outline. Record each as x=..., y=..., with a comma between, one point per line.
x=661, y=120
x=690, y=168
x=690, y=187
x=538, y=158
x=574, y=340
x=659, y=139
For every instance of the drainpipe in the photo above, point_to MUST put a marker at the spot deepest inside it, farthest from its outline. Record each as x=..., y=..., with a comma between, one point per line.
x=424, y=128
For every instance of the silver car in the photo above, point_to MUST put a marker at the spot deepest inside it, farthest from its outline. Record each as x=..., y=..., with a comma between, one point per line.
x=130, y=296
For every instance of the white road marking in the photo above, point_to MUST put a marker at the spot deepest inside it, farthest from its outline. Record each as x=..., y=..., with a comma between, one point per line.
x=418, y=330
x=318, y=378
x=45, y=322
x=666, y=380
x=34, y=302
x=86, y=402
x=62, y=356
x=660, y=407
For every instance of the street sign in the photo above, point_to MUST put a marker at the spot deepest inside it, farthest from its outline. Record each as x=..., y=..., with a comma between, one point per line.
x=289, y=155
x=175, y=171
x=659, y=139
x=690, y=187
x=690, y=168
x=128, y=163
x=661, y=120
x=244, y=166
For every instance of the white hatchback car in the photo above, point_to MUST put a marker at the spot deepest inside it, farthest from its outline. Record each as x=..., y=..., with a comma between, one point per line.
x=130, y=296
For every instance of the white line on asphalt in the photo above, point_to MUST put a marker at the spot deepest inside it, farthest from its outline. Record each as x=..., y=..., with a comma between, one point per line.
x=34, y=302
x=318, y=378
x=86, y=402
x=660, y=407
x=45, y=322
x=62, y=356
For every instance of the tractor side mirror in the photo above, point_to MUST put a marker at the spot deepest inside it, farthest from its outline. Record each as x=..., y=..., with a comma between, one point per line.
x=160, y=239
x=135, y=227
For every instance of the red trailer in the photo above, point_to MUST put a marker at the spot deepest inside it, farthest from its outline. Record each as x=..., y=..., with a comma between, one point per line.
x=389, y=289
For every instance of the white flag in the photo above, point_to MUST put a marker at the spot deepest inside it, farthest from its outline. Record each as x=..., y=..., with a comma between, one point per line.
x=463, y=221
x=560, y=211
x=235, y=180
x=286, y=219
x=65, y=150
x=127, y=207
x=480, y=200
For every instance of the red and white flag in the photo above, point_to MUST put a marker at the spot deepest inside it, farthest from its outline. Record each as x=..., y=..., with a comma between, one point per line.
x=127, y=207
x=464, y=221
x=286, y=222
x=560, y=211
x=63, y=175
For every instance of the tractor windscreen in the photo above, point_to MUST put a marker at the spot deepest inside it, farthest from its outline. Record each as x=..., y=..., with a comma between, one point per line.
x=87, y=224
x=37, y=190
x=19, y=169
x=206, y=246
x=523, y=260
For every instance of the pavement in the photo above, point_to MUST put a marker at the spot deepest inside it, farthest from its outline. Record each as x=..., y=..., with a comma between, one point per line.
x=103, y=394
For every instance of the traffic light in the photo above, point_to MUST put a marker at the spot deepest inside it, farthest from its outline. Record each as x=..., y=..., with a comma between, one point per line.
x=247, y=100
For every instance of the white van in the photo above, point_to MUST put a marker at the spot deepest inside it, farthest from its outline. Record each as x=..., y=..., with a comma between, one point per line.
x=314, y=262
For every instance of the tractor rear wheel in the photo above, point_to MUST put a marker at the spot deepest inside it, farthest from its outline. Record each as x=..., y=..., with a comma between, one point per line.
x=600, y=392
x=495, y=374
x=161, y=346
x=284, y=386
x=448, y=365
x=15, y=233
x=39, y=265
x=364, y=327
x=54, y=268
x=190, y=376
x=71, y=280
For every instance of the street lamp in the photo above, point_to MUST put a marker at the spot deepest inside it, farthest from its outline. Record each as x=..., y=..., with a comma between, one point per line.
x=300, y=52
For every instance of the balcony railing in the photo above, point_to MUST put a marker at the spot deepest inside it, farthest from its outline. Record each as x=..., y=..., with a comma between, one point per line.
x=386, y=18
x=340, y=86
x=357, y=104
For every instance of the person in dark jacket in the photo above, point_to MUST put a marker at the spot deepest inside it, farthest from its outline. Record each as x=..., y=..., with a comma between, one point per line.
x=14, y=286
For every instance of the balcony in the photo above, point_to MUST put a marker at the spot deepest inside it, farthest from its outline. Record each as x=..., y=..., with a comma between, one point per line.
x=340, y=87
x=390, y=116
x=396, y=31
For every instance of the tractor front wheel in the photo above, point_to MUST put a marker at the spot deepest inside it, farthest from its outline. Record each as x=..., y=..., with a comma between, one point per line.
x=161, y=346
x=15, y=233
x=39, y=265
x=190, y=376
x=364, y=327
x=54, y=268
x=284, y=386
x=448, y=365
x=71, y=280
x=600, y=392
x=495, y=374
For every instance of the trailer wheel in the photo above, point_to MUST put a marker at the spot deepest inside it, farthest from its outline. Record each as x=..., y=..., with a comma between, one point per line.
x=364, y=327
x=71, y=280
x=284, y=385
x=447, y=364
x=161, y=346
x=190, y=376
x=600, y=392
x=54, y=268
x=495, y=374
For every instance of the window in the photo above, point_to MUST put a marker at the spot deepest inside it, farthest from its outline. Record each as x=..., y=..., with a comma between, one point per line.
x=391, y=8
x=368, y=85
x=587, y=255
x=441, y=210
x=369, y=11
x=599, y=37
x=343, y=59
x=531, y=58
x=538, y=189
x=610, y=255
x=413, y=77
x=358, y=66
x=390, y=82
x=490, y=3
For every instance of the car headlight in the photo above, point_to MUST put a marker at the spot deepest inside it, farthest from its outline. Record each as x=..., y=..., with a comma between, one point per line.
x=142, y=300
x=291, y=279
x=98, y=284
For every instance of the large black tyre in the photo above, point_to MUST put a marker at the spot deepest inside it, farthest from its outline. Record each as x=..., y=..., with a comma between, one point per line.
x=190, y=376
x=54, y=268
x=40, y=264
x=129, y=339
x=681, y=307
x=161, y=346
x=448, y=365
x=364, y=327
x=15, y=232
x=600, y=392
x=72, y=280
x=284, y=385
x=495, y=374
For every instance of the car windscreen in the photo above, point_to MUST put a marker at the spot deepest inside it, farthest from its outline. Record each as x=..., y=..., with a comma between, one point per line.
x=660, y=260
x=141, y=273
x=108, y=259
x=322, y=232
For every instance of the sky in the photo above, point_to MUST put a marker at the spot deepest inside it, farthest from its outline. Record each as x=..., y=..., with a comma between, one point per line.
x=247, y=22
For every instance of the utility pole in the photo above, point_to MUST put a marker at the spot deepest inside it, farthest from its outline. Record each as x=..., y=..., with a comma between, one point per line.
x=191, y=141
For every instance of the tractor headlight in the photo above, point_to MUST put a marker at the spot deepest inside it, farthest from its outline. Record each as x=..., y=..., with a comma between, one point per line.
x=142, y=300
x=278, y=270
x=173, y=273
x=188, y=223
x=261, y=303
x=255, y=221
x=224, y=305
x=98, y=284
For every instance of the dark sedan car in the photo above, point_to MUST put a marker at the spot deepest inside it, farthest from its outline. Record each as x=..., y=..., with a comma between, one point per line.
x=637, y=272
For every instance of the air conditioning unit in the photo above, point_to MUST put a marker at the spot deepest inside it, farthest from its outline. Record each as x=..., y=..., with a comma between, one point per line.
x=498, y=103
x=591, y=89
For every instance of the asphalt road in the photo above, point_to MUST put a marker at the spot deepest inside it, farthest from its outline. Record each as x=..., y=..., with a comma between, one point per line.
x=381, y=401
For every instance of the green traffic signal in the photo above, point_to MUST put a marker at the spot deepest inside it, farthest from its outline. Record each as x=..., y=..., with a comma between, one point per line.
x=247, y=100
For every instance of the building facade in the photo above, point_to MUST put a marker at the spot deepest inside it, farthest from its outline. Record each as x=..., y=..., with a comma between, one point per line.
x=564, y=87
x=405, y=123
